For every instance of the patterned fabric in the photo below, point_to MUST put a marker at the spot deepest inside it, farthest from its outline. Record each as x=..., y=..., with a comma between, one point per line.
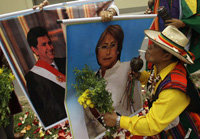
x=175, y=80
x=172, y=7
x=155, y=25
x=188, y=127
x=176, y=46
x=189, y=122
x=190, y=8
x=87, y=10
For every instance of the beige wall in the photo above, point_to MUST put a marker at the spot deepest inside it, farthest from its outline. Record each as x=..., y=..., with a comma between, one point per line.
x=121, y=4
x=8, y=6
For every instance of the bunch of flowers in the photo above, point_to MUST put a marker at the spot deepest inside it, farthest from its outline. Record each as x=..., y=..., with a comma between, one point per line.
x=92, y=93
x=28, y=125
x=92, y=90
x=6, y=87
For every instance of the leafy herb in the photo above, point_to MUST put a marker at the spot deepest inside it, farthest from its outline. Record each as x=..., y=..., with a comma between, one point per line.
x=6, y=87
x=99, y=96
x=91, y=90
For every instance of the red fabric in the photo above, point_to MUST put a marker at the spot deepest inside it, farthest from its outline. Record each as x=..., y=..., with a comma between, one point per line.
x=61, y=77
x=48, y=67
x=155, y=25
x=180, y=128
x=196, y=119
x=178, y=78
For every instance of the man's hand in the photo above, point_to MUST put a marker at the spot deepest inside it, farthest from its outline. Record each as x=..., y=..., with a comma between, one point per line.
x=110, y=119
x=148, y=11
x=107, y=15
x=175, y=22
x=41, y=5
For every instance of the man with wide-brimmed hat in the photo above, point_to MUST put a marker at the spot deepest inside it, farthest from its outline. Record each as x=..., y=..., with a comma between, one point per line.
x=171, y=90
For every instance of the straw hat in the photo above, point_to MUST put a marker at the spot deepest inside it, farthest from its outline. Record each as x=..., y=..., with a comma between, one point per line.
x=173, y=41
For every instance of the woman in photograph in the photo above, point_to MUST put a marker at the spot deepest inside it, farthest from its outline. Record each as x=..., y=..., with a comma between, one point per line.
x=108, y=53
x=115, y=72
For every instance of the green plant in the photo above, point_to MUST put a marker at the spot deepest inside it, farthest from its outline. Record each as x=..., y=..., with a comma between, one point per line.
x=6, y=87
x=86, y=80
x=92, y=92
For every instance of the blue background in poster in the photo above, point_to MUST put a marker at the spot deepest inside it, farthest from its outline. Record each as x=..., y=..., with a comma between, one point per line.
x=82, y=40
x=81, y=44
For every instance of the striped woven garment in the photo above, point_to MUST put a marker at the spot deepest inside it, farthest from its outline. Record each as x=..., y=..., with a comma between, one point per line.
x=87, y=9
x=175, y=8
x=189, y=124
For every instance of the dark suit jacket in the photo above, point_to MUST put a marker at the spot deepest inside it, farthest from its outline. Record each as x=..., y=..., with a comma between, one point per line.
x=61, y=64
x=47, y=98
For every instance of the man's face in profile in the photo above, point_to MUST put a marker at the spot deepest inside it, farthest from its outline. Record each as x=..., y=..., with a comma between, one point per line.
x=45, y=49
x=154, y=54
x=108, y=52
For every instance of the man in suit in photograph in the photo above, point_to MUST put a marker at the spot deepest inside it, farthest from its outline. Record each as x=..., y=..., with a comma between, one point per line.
x=46, y=80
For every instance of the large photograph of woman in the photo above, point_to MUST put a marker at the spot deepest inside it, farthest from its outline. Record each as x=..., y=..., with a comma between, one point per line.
x=107, y=49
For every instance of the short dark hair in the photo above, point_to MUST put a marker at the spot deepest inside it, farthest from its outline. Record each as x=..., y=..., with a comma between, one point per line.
x=117, y=33
x=34, y=33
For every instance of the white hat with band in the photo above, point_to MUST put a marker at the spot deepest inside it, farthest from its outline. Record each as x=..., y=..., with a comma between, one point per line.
x=173, y=41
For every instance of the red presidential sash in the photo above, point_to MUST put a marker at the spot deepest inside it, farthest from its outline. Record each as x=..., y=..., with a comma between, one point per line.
x=47, y=71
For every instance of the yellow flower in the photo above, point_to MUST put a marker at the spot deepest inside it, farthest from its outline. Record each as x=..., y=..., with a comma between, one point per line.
x=1, y=70
x=88, y=102
x=91, y=105
x=81, y=100
x=11, y=76
x=85, y=94
x=41, y=133
x=87, y=91
x=23, y=130
x=84, y=99
x=84, y=106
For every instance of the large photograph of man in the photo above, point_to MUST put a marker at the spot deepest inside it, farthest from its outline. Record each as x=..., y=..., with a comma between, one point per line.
x=107, y=49
x=46, y=80
x=35, y=47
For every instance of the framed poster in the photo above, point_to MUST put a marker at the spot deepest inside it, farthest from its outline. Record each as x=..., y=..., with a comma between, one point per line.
x=34, y=45
x=107, y=49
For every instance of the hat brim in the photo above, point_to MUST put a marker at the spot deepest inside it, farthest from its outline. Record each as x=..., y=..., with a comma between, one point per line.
x=153, y=36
